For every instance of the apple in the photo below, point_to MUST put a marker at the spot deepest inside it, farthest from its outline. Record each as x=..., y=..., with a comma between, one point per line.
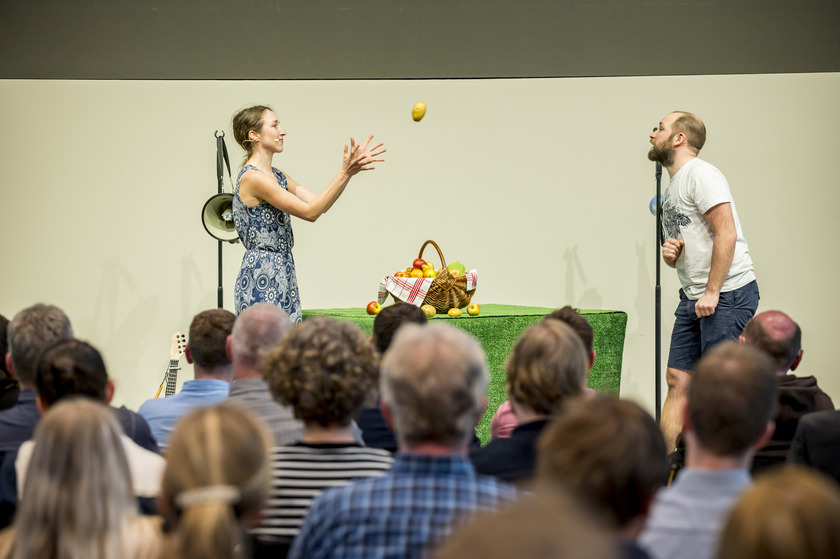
x=400, y=274
x=373, y=308
x=473, y=309
x=418, y=263
x=455, y=313
x=428, y=310
x=430, y=273
x=416, y=273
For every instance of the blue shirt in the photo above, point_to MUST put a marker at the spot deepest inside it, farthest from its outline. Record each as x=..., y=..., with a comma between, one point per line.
x=686, y=518
x=400, y=515
x=162, y=414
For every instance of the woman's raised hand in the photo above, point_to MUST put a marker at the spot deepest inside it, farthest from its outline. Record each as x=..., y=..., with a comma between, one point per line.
x=361, y=157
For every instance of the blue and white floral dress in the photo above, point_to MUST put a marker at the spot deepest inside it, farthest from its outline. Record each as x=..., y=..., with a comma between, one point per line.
x=268, y=267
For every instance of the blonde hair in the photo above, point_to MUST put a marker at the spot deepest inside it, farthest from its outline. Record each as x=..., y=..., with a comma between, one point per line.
x=77, y=501
x=547, y=366
x=250, y=118
x=217, y=473
x=789, y=512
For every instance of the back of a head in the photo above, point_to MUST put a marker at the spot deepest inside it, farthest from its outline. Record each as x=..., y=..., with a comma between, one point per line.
x=610, y=452
x=390, y=318
x=777, y=335
x=29, y=331
x=70, y=367
x=731, y=398
x=208, y=338
x=547, y=366
x=257, y=329
x=693, y=128
x=789, y=512
x=433, y=379
x=217, y=473
x=325, y=369
x=548, y=525
x=577, y=322
x=77, y=491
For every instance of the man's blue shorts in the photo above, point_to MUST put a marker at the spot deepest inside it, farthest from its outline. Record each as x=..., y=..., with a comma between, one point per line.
x=692, y=336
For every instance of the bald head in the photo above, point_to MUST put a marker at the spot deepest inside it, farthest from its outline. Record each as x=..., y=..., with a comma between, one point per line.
x=690, y=125
x=256, y=330
x=777, y=335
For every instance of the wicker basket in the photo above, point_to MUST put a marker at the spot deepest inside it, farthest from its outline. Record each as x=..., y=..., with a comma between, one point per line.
x=446, y=292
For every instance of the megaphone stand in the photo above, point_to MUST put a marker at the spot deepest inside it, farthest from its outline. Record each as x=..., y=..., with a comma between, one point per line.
x=217, y=214
x=658, y=294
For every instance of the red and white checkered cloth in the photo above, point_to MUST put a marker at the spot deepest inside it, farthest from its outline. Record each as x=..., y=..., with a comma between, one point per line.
x=413, y=290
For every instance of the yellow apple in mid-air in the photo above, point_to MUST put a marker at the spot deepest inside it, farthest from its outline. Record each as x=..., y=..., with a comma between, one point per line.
x=428, y=310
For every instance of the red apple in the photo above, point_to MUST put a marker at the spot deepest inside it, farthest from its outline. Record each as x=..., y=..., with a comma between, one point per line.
x=418, y=263
x=373, y=308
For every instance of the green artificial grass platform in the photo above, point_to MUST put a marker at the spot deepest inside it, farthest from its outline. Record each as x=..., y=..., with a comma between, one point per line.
x=498, y=327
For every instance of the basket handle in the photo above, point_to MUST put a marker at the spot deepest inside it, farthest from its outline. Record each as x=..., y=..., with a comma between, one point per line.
x=422, y=248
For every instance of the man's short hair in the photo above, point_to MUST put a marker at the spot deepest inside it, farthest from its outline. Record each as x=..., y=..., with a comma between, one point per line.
x=610, y=452
x=324, y=369
x=433, y=379
x=731, y=398
x=257, y=329
x=693, y=128
x=781, y=340
x=208, y=338
x=70, y=367
x=390, y=318
x=547, y=365
x=578, y=323
x=29, y=331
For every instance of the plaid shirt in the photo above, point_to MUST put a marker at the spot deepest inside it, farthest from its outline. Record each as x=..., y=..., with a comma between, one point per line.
x=400, y=515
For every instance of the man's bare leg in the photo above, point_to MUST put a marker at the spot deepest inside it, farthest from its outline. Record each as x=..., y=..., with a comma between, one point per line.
x=671, y=420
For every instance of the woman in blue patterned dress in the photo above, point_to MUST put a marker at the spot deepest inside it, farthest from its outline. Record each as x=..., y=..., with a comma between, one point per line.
x=263, y=202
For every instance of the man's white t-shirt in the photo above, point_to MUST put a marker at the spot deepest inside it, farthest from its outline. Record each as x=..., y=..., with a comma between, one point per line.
x=696, y=188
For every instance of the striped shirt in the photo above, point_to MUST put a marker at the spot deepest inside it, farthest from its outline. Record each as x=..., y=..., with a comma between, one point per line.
x=301, y=472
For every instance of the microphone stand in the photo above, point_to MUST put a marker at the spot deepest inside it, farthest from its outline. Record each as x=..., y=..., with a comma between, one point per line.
x=221, y=151
x=658, y=295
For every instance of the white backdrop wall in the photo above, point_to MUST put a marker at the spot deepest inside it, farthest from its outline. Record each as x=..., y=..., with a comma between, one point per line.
x=542, y=185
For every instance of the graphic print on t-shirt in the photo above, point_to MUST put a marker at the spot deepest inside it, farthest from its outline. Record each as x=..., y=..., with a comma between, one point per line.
x=673, y=219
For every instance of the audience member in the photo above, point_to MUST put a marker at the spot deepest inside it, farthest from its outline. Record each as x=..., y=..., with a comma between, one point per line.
x=72, y=368
x=324, y=369
x=9, y=386
x=433, y=380
x=30, y=331
x=722, y=429
x=550, y=525
x=789, y=512
x=257, y=329
x=546, y=368
x=77, y=500
x=216, y=480
x=611, y=454
x=375, y=430
x=207, y=351
x=504, y=420
x=816, y=443
x=776, y=334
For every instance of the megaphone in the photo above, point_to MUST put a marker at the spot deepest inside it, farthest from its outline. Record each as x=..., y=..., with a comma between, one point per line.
x=217, y=217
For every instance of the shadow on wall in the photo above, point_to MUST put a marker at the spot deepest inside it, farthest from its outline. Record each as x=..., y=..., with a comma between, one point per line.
x=590, y=298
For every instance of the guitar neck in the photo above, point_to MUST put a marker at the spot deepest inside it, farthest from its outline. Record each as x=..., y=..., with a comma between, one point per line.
x=172, y=376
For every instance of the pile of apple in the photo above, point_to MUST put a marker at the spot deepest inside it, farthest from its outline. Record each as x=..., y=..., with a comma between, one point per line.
x=422, y=269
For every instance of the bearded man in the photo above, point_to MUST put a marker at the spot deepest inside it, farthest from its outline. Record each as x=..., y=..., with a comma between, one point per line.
x=705, y=244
